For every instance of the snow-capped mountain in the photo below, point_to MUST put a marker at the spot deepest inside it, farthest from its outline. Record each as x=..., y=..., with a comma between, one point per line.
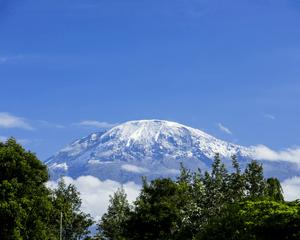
x=145, y=147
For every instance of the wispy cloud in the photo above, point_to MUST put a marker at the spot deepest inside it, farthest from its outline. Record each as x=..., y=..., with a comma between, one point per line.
x=96, y=124
x=13, y=59
x=47, y=124
x=289, y=155
x=3, y=139
x=95, y=193
x=9, y=121
x=22, y=141
x=224, y=129
x=133, y=168
x=268, y=116
x=5, y=59
x=173, y=171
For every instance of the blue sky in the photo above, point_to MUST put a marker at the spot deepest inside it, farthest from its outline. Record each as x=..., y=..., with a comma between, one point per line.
x=69, y=68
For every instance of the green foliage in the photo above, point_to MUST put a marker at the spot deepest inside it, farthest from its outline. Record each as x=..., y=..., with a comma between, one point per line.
x=158, y=211
x=211, y=192
x=274, y=189
x=28, y=209
x=96, y=236
x=25, y=204
x=255, y=218
x=256, y=183
x=117, y=212
x=193, y=219
x=208, y=193
x=236, y=184
x=215, y=187
x=180, y=210
x=75, y=223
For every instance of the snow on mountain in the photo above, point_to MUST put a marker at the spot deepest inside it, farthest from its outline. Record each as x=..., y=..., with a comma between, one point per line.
x=145, y=147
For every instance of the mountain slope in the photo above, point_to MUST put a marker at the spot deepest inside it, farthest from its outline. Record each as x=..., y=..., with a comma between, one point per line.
x=145, y=147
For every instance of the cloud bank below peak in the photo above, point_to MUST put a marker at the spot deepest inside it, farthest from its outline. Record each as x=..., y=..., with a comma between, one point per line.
x=262, y=152
x=95, y=193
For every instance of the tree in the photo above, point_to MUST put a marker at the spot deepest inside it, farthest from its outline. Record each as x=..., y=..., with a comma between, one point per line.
x=212, y=191
x=117, y=212
x=181, y=209
x=158, y=211
x=274, y=189
x=215, y=187
x=256, y=183
x=75, y=223
x=193, y=213
x=25, y=203
x=96, y=236
x=255, y=218
x=236, y=183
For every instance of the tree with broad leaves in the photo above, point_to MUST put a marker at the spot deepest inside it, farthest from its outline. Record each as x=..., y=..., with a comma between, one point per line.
x=181, y=209
x=157, y=212
x=212, y=191
x=25, y=202
x=257, y=218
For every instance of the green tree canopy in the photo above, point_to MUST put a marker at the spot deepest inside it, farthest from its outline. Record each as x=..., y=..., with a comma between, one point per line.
x=255, y=218
x=117, y=212
x=274, y=189
x=210, y=192
x=166, y=209
x=157, y=211
x=255, y=182
x=66, y=199
x=25, y=203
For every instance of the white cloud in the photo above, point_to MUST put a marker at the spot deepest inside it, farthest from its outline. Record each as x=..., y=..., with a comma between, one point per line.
x=291, y=188
x=224, y=129
x=46, y=124
x=95, y=193
x=174, y=171
x=12, y=59
x=96, y=124
x=133, y=168
x=290, y=155
x=5, y=59
x=269, y=116
x=3, y=139
x=9, y=121
x=22, y=141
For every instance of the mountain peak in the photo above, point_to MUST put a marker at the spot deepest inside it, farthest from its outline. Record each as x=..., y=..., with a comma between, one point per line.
x=142, y=146
x=151, y=131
